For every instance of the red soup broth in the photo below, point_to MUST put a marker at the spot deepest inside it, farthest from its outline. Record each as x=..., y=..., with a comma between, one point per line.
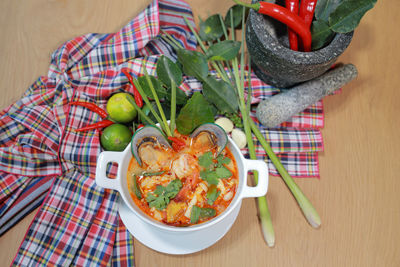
x=184, y=185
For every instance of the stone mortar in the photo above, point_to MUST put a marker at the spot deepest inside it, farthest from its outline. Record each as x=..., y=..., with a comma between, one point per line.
x=276, y=64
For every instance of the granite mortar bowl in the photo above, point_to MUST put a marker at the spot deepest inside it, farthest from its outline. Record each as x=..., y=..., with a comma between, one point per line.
x=276, y=64
x=120, y=184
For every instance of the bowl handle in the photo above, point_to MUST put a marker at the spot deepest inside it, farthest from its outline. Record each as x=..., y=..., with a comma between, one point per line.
x=262, y=186
x=101, y=168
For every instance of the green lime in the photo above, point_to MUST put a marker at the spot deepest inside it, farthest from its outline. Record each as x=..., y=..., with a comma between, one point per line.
x=120, y=109
x=115, y=137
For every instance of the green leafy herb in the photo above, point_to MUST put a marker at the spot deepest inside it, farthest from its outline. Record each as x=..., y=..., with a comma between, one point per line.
x=324, y=8
x=201, y=213
x=212, y=194
x=162, y=195
x=225, y=50
x=214, y=172
x=136, y=188
x=206, y=160
x=160, y=91
x=167, y=70
x=181, y=97
x=348, y=14
x=196, y=112
x=237, y=16
x=221, y=160
x=337, y=16
x=211, y=28
x=221, y=94
x=321, y=33
x=223, y=172
x=210, y=177
x=194, y=63
x=146, y=112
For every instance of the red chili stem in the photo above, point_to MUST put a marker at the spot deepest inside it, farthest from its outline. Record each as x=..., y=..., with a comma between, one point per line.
x=97, y=125
x=136, y=95
x=293, y=6
x=307, y=8
x=293, y=21
x=93, y=107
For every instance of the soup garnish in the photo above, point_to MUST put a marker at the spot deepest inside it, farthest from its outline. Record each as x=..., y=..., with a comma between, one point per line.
x=185, y=184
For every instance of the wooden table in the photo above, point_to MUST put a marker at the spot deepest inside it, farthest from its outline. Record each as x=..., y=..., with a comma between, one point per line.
x=356, y=196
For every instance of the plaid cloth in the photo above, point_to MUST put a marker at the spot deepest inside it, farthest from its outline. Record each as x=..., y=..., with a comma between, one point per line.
x=43, y=161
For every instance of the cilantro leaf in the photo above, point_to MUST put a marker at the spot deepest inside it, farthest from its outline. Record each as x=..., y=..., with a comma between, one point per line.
x=173, y=188
x=223, y=172
x=221, y=160
x=162, y=195
x=159, y=202
x=150, y=197
x=209, y=176
x=159, y=190
x=212, y=194
x=206, y=160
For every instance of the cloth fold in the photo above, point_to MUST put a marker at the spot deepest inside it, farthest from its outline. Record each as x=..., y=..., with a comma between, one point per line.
x=43, y=161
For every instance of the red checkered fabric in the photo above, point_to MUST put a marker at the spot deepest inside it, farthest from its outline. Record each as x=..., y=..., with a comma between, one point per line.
x=44, y=162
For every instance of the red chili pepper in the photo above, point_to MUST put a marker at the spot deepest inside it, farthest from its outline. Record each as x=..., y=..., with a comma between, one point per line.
x=136, y=95
x=103, y=114
x=293, y=6
x=177, y=144
x=283, y=15
x=97, y=125
x=306, y=12
x=140, y=126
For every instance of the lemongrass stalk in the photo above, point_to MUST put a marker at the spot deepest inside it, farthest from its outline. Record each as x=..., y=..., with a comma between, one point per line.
x=228, y=67
x=264, y=215
x=155, y=96
x=139, y=110
x=221, y=71
x=169, y=42
x=146, y=100
x=173, y=106
x=204, y=48
x=172, y=39
x=266, y=222
x=307, y=208
x=223, y=26
x=195, y=35
x=232, y=26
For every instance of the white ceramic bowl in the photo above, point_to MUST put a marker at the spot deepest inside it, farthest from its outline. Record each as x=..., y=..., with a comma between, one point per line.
x=243, y=191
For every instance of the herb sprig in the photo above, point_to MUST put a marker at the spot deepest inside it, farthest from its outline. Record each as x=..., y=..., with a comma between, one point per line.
x=163, y=194
x=214, y=168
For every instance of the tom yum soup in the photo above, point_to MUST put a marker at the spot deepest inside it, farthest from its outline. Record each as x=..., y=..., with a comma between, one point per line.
x=187, y=183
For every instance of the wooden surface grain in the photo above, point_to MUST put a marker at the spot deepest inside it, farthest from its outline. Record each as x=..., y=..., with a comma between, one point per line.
x=356, y=196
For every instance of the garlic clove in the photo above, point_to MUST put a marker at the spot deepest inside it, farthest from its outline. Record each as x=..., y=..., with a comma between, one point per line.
x=239, y=137
x=225, y=123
